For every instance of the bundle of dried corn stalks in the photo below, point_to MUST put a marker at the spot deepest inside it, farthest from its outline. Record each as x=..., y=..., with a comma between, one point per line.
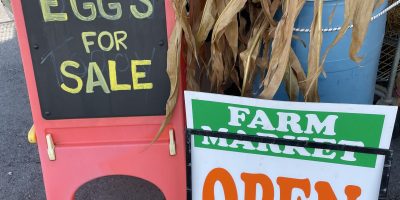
x=227, y=42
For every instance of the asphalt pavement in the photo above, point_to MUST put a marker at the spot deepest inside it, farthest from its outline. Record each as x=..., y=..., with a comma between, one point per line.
x=20, y=171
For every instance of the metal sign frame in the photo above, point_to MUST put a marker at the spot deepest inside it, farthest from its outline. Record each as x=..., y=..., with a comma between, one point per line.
x=388, y=153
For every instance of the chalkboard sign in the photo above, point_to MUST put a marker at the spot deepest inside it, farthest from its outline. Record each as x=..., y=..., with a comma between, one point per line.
x=98, y=58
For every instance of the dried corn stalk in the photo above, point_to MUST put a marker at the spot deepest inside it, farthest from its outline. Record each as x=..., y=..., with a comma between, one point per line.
x=223, y=27
x=281, y=48
x=314, y=53
x=250, y=55
x=361, y=17
x=358, y=13
x=229, y=42
x=173, y=67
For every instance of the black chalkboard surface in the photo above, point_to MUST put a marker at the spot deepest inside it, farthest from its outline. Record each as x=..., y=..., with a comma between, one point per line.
x=98, y=58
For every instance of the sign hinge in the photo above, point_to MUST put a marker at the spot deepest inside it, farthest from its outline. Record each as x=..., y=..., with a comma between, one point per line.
x=172, y=144
x=50, y=147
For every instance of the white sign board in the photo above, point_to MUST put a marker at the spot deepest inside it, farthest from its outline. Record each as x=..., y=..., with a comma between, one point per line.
x=233, y=169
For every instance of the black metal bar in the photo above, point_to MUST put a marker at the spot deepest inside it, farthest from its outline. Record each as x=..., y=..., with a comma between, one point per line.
x=188, y=167
x=296, y=143
x=384, y=190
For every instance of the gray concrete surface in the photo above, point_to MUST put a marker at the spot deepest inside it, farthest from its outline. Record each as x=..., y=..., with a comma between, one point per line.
x=7, y=3
x=20, y=174
x=5, y=13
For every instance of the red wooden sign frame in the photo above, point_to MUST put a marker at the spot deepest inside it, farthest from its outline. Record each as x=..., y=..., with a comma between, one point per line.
x=87, y=149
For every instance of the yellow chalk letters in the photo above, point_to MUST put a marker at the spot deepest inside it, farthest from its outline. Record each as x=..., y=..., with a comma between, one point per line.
x=90, y=84
x=115, y=40
x=112, y=68
x=137, y=75
x=111, y=6
x=78, y=80
x=87, y=6
x=96, y=78
x=140, y=15
x=91, y=10
x=48, y=16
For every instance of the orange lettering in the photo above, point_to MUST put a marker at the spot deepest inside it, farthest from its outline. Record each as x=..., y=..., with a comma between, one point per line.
x=251, y=181
x=225, y=179
x=352, y=192
x=325, y=191
x=288, y=184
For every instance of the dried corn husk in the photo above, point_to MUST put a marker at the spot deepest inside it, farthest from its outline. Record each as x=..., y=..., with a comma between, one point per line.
x=227, y=16
x=358, y=12
x=314, y=53
x=228, y=42
x=281, y=48
x=173, y=68
x=250, y=55
x=361, y=19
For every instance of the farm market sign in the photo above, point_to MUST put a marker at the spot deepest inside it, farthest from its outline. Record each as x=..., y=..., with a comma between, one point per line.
x=96, y=58
x=233, y=169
